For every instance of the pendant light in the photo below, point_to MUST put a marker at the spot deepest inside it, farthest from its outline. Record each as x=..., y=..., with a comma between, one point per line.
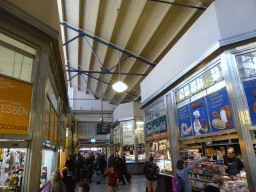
x=119, y=86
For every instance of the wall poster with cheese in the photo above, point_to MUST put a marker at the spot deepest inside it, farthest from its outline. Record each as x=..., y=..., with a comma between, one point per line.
x=199, y=117
x=184, y=121
x=219, y=111
x=250, y=92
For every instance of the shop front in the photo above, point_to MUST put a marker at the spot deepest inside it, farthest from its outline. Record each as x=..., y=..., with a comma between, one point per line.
x=30, y=102
x=117, y=140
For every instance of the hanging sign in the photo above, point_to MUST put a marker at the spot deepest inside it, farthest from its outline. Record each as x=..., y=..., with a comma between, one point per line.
x=15, y=100
x=250, y=92
x=156, y=128
x=184, y=122
x=199, y=117
x=103, y=128
x=219, y=111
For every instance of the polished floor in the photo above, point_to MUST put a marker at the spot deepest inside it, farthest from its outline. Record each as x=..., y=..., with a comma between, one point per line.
x=137, y=185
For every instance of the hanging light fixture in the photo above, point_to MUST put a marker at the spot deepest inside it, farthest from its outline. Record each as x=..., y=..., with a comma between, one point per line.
x=119, y=86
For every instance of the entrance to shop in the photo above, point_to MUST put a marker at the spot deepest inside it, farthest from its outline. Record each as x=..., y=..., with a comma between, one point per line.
x=84, y=151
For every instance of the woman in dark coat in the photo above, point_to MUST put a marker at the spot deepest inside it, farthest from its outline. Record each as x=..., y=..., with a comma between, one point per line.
x=69, y=181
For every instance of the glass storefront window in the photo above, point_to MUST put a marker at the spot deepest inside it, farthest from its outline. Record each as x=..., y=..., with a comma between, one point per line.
x=155, y=111
x=16, y=58
x=247, y=64
x=11, y=168
x=46, y=166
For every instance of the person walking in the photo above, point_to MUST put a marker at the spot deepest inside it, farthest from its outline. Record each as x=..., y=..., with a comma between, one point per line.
x=71, y=164
x=68, y=181
x=151, y=171
x=119, y=167
x=183, y=181
x=126, y=174
x=96, y=168
x=111, y=160
x=84, y=187
x=57, y=184
x=113, y=180
x=89, y=167
x=79, y=166
x=103, y=162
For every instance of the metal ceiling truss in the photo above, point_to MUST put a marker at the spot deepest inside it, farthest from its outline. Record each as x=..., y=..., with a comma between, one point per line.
x=178, y=4
x=83, y=34
x=80, y=72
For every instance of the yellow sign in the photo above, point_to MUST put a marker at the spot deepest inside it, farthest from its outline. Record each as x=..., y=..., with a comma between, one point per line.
x=15, y=100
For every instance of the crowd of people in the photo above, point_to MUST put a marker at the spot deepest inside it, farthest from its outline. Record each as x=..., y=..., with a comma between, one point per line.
x=81, y=167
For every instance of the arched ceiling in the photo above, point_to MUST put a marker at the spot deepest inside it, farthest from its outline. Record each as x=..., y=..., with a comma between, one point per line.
x=147, y=31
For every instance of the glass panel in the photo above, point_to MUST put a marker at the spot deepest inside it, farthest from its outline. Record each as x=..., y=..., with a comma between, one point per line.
x=12, y=168
x=247, y=64
x=46, y=166
x=16, y=58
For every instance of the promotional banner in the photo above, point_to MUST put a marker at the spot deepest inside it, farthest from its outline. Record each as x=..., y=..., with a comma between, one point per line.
x=156, y=128
x=250, y=92
x=199, y=117
x=219, y=111
x=15, y=100
x=184, y=122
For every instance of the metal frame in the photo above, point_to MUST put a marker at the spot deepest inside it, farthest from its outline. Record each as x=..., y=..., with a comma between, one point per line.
x=178, y=4
x=83, y=34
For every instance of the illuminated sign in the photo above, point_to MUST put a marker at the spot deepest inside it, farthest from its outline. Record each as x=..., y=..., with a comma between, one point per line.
x=15, y=100
x=93, y=140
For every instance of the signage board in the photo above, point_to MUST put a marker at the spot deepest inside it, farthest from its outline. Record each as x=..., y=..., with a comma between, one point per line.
x=15, y=101
x=219, y=111
x=103, y=128
x=128, y=137
x=199, y=117
x=250, y=92
x=184, y=122
x=156, y=128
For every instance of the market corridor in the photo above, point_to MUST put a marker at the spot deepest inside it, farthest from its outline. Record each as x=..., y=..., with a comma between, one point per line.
x=137, y=185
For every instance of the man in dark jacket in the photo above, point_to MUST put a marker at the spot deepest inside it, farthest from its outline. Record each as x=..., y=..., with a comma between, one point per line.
x=111, y=160
x=89, y=167
x=151, y=172
x=96, y=168
x=103, y=162
x=68, y=181
x=120, y=168
x=71, y=164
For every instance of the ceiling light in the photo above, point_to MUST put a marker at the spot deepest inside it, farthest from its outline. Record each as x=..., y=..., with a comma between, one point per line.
x=119, y=86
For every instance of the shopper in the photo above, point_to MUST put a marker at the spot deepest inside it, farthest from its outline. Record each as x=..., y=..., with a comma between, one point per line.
x=68, y=181
x=151, y=171
x=113, y=180
x=96, y=168
x=183, y=181
x=89, y=166
x=84, y=187
x=120, y=167
x=79, y=166
x=71, y=164
x=233, y=163
x=126, y=174
x=69, y=172
x=111, y=160
x=103, y=162
x=216, y=184
x=57, y=184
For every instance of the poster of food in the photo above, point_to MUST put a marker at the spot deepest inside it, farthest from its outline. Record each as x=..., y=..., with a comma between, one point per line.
x=250, y=92
x=219, y=111
x=184, y=122
x=199, y=117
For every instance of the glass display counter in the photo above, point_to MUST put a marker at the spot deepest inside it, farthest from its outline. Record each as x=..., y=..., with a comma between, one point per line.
x=160, y=150
x=11, y=168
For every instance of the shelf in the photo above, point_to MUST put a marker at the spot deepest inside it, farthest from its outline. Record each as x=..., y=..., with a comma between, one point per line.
x=211, y=175
x=208, y=181
x=197, y=189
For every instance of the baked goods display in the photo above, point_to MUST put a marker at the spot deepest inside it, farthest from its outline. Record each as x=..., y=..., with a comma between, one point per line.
x=221, y=120
x=184, y=129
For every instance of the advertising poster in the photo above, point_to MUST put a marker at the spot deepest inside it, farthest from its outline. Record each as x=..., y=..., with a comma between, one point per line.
x=15, y=100
x=219, y=111
x=184, y=122
x=128, y=137
x=199, y=117
x=250, y=92
x=47, y=119
x=156, y=128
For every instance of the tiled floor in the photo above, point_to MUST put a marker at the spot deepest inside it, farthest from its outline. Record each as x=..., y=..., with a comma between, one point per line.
x=137, y=185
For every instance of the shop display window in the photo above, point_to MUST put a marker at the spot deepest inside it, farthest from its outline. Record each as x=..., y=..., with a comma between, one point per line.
x=141, y=152
x=47, y=166
x=12, y=162
x=155, y=111
x=128, y=151
x=247, y=64
x=160, y=150
x=128, y=132
x=116, y=135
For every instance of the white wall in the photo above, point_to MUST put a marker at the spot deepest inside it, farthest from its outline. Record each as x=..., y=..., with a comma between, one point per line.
x=223, y=19
x=87, y=102
x=136, y=110
x=123, y=111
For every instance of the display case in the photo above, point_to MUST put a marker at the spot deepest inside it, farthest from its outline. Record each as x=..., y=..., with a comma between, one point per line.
x=11, y=168
x=160, y=150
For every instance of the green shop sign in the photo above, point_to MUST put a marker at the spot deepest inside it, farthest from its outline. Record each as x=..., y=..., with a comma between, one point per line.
x=156, y=128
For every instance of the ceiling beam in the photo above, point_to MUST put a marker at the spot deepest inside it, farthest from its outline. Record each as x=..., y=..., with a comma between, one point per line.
x=82, y=33
x=106, y=72
x=178, y=4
